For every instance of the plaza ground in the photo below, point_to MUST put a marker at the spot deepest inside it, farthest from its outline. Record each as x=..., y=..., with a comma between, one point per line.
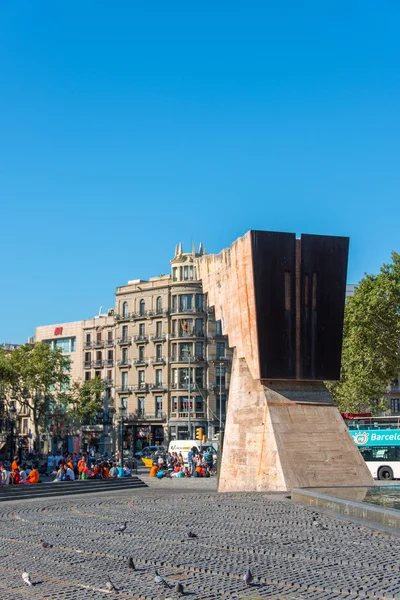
x=289, y=556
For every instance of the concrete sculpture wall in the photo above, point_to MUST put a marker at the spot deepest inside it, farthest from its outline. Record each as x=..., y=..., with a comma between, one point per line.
x=281, y=303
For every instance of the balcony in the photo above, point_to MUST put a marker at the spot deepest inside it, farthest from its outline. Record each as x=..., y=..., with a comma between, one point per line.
x=98, y=344
x=185, y=359
x=140, y=415
x=109, y=363
x=97, y=364
x=124, y=341
x=87, y=364
x=140, y=362
x=140, y=387
x=158, y=360
x=216, y=387
x=158, y=387
x=219, y=359
x=161, y=312
x=109, y=343
x=185, y=415
x=141, y=339
x=184, y=310
x=186, y=334
x=123, y=317
x=183, y=386
x=124, y=389
x=159, y=337
x=124, y=362
x=87, y=345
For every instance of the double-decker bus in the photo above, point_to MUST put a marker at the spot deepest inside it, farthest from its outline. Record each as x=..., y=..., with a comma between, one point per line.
x=378, y=439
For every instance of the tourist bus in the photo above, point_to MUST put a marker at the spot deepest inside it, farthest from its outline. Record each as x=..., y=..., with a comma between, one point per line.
x=378, y=439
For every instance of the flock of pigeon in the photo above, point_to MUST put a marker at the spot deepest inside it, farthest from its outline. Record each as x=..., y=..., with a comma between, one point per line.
x=158, y=579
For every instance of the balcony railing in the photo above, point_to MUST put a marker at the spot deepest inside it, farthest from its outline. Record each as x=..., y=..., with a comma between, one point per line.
x=109, y=343
x=97, y=364
x=183, y=386
x=158, y=337
x=141, y=415
x=124, y=341
x=187, y=334
x=221, y=359
x=158, y=360
x=141, y=339
x=216, y=387
x=124, y=362
x=184, y=415
x=181, y=309
x=87, y=345
x=185, y=359
x=124, y=389
x=158, y=387
x=140, y=362
x=87, y=364
x=98, y=344
x=109, y=362
x=123, y=317
x=140, y=387
x=161, y=312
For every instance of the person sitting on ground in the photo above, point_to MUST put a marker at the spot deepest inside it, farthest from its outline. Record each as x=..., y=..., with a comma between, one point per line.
x=15, y=464
x=60, y=476
x=22, y=474
x=16, y=477
x=69, y=474
x=113, y=471
x=127, y=471
x=33, y=476
x=4, y=475
x=154, y=470
x=105, y=471
x=96, y=472
x=121, y=471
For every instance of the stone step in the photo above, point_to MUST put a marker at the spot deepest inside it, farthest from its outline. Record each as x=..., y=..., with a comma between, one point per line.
x=68, y=488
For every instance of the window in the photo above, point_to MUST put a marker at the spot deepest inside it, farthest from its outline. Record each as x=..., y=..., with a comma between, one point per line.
x=124, y=380
x=125, y=355
x=110, y=335
x=98, y=356
x=141, y=352
x=185, y=302
x=97, y=374
x=158, y=328
x=174, y=327
x=159, y=305
x=199, y=375
x=174, y=403
x=199, y=404
x=199, y=350
x=174, y=273
x=199, y=326
x=110, y=355
x=125, y=309
x=158, y=376
x=142, y=308
x=141, y=375
x=173, y=351
x=175, y=376
x=158, y=351
x=184, y=404
x=218, y=325
x=98, y=336
x=141, y=401
x=88, y=376
x=88, y=357
x=185, y=350
x=174, y=303
x=109, y=375
x=199, y=301
x=158, y=406
x=184, y=377
x=124, y=331
x=185, y=327
x=185, y=273
x=88, y=338
x=63, y=344
x=220, y=377
x=220, y=349
x=142, y=328
x=395, y=405
x=25, y=429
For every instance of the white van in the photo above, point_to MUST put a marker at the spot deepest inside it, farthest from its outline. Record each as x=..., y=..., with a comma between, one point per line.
x=183, y=447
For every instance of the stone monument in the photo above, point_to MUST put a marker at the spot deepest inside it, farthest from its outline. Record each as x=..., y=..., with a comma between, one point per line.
x=281, y=303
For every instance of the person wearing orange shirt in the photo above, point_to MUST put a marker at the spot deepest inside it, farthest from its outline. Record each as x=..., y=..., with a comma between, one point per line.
x=14, y=465
x=33, y=476
x=153, y=471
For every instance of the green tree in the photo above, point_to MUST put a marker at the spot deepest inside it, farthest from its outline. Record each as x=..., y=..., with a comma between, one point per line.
x=32, y=374
x=371, y=349
x=86, y=398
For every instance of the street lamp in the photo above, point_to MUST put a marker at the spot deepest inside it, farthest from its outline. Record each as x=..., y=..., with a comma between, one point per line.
x=122, y=415
x=189, y=391
x=105, y=414
x=12, y=415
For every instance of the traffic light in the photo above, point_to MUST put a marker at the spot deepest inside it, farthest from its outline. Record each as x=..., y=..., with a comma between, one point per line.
x=199, y=433
x=149, y=437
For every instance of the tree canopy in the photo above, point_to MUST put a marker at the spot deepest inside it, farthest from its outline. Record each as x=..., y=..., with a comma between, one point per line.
x=371, y=348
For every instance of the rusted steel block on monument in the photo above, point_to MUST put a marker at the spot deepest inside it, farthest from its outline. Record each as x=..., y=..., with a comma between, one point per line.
x=281, y=303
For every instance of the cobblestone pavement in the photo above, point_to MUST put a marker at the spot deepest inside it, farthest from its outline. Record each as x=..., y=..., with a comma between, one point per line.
x=289, y=556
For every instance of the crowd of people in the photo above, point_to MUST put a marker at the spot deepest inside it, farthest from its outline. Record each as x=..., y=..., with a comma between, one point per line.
x=198, y=464
x=18, y=474
x=84, y=466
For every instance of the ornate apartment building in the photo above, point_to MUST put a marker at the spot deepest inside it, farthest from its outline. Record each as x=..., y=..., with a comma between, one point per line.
x=162, y=352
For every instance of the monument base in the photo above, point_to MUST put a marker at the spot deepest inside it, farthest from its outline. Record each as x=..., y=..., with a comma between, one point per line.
x=282, y=435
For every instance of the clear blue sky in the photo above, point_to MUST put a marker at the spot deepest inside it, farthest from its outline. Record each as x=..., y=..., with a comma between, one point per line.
x=127, y=127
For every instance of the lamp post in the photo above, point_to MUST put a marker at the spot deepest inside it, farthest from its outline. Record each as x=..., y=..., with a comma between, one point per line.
x=12, y=415
x=122, y=416
x=189, y=391
x=220, y=395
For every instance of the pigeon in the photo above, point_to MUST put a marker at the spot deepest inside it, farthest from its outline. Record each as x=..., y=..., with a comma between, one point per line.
x=46, y=544
x=160, y=581
x=121, y=528
x=248, y=577
x=131, y=564
x=318, y=524
x=192, y=535
x=179, y=588
x=26, y=577
x=110, y=586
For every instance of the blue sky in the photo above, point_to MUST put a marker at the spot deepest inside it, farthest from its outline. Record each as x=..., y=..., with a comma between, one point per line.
x=114, y=117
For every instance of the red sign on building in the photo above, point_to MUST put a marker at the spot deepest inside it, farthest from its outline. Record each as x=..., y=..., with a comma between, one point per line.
x=58, y=331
